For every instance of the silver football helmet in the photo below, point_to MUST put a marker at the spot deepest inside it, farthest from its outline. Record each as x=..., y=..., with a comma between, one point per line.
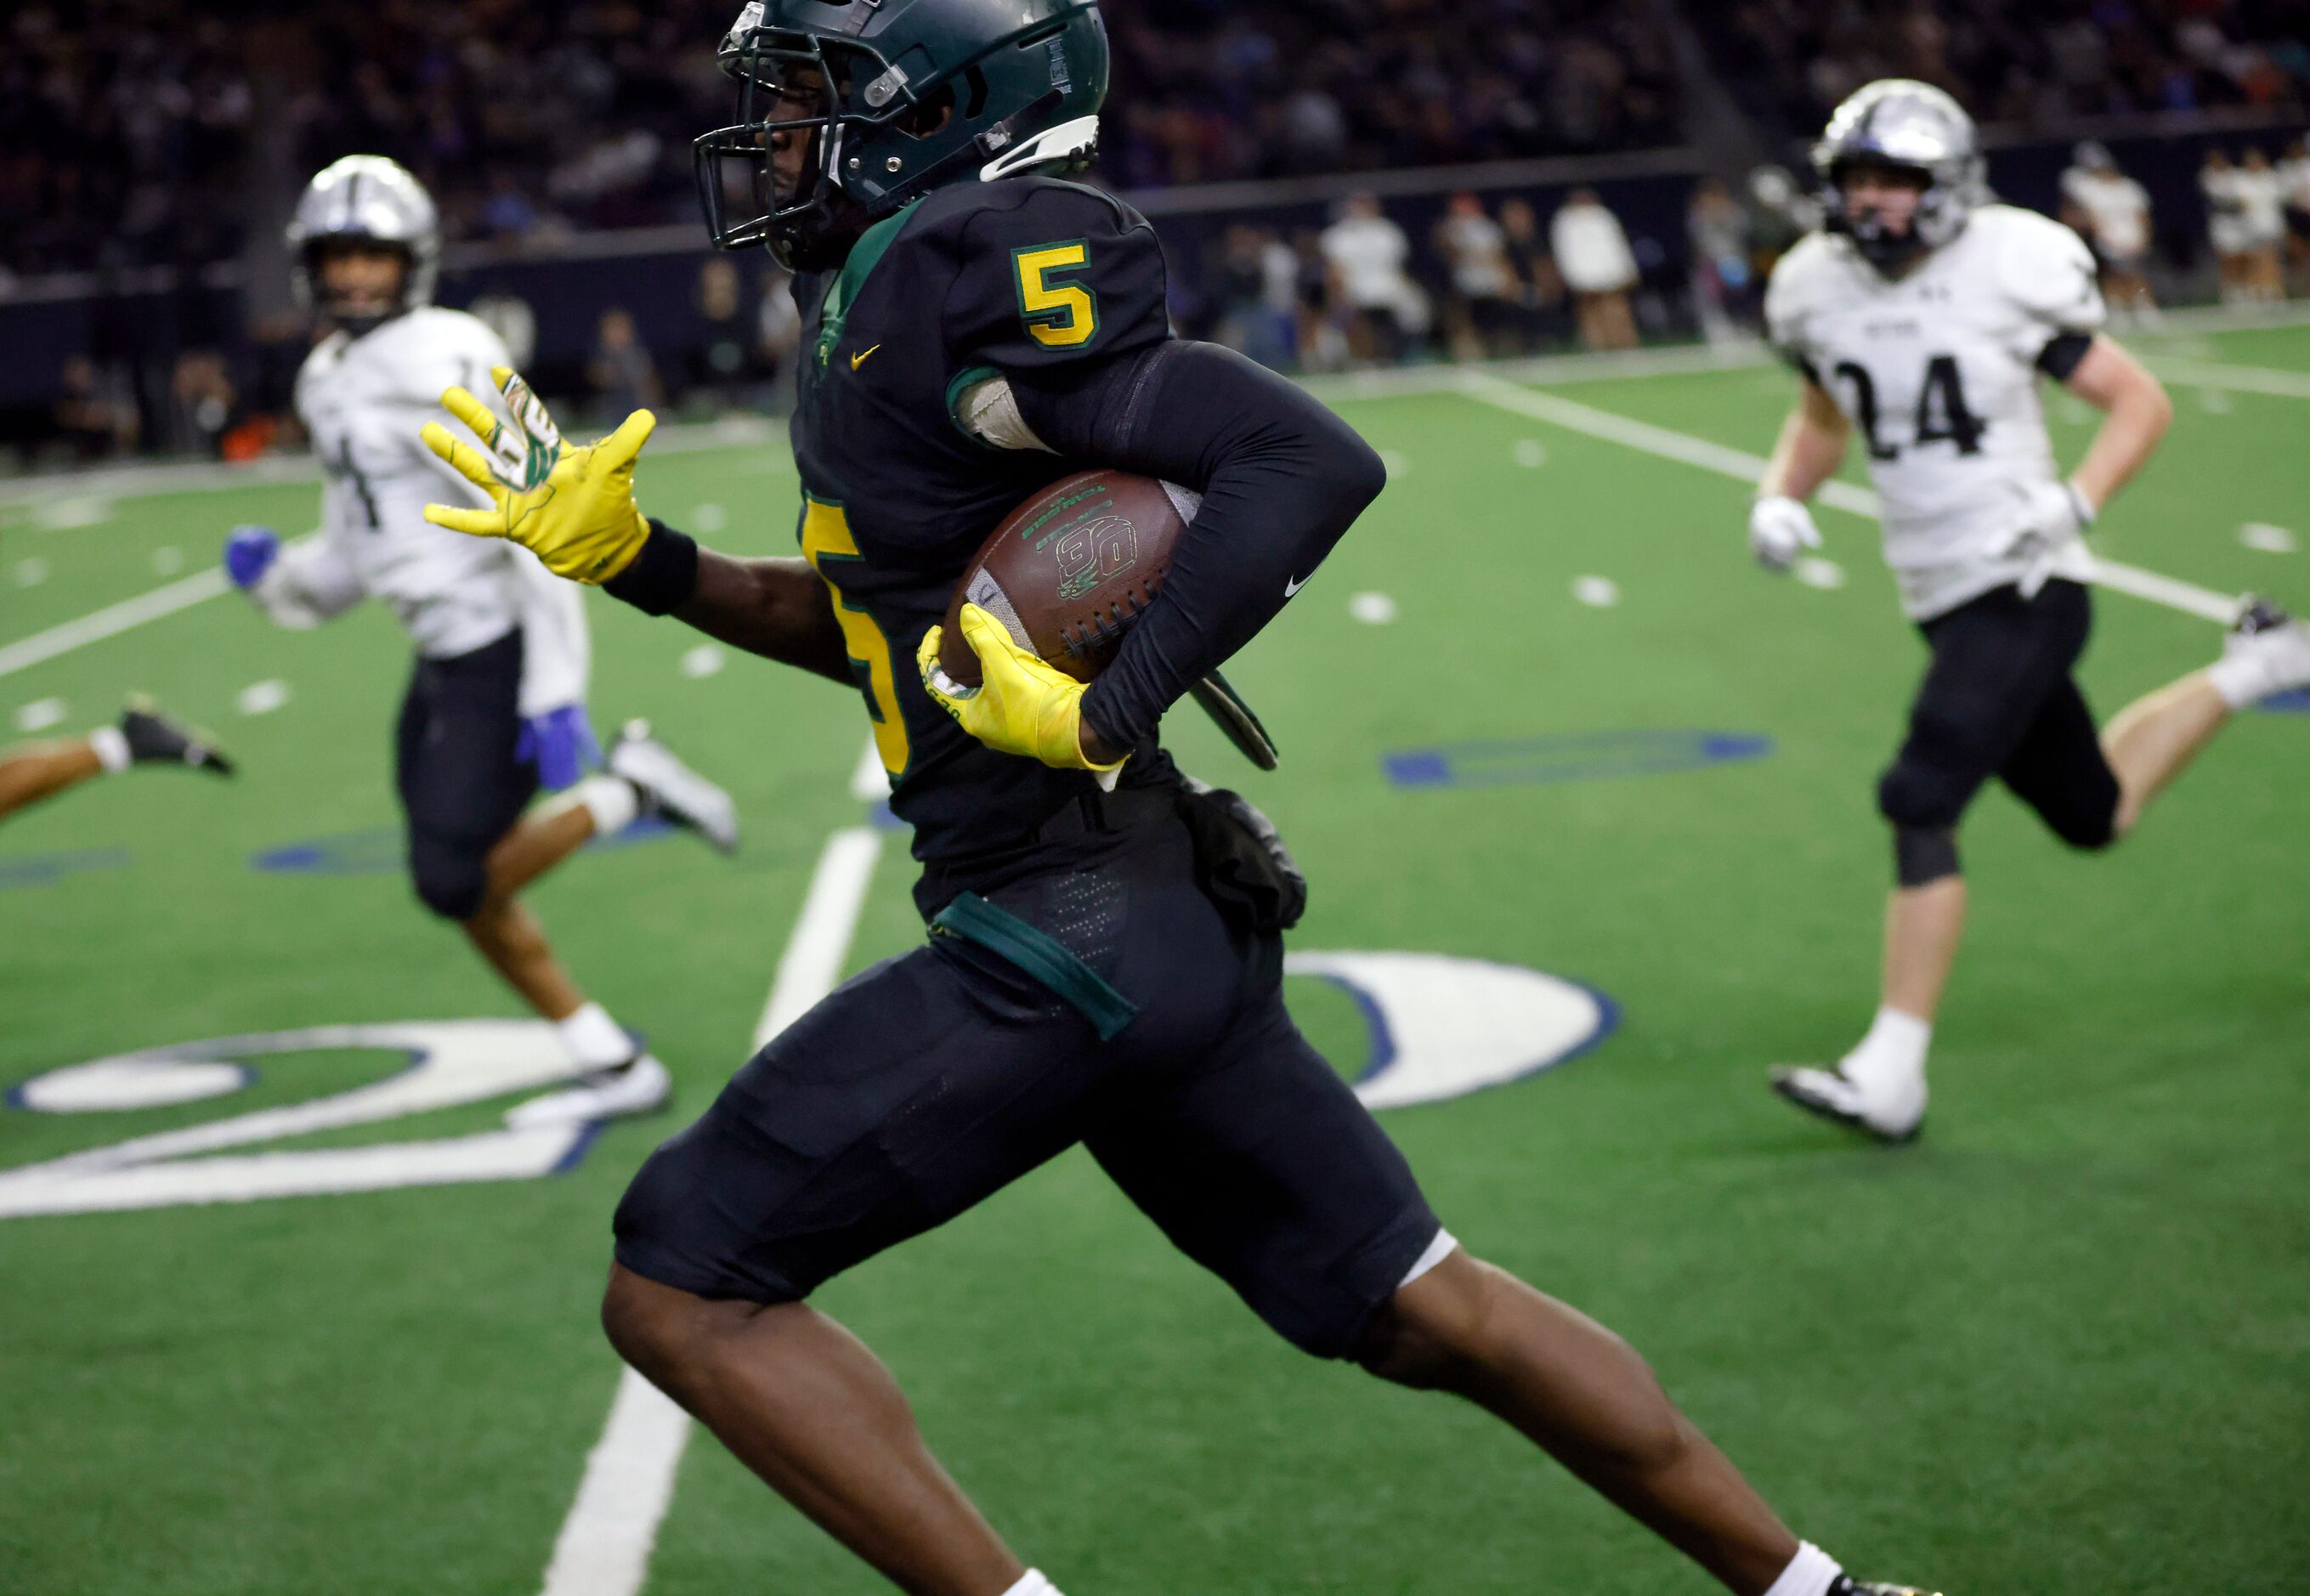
x=372, y=197
x=1911, y=126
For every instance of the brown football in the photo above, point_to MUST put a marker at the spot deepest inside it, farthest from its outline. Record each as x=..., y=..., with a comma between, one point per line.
x=1070, y=569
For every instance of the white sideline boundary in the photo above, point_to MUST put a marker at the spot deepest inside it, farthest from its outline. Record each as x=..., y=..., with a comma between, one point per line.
x=1486, y=388
x=606, y=1541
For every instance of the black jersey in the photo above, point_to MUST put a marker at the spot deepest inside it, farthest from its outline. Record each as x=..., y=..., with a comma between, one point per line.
x=977, y=279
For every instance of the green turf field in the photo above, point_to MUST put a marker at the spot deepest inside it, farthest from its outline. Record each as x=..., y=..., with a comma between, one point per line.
x=2061, y=1345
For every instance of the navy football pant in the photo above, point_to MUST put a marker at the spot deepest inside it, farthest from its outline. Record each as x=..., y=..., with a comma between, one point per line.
x=936, y=1078
x=1999, y=699
x=462, y=788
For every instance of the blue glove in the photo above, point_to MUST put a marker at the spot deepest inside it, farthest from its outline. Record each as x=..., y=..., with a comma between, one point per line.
x=561, y=744
x=249, y=553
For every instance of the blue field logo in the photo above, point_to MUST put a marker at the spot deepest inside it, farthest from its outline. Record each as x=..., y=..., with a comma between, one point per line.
x=46, y=870
x=378, y=850
x=1577, y=756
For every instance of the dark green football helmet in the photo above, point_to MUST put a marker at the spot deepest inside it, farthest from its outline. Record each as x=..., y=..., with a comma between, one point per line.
x=888, y=99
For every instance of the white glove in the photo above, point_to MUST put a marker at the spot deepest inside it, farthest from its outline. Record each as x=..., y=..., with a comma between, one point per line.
x=1779, y=529
x=2047, y=531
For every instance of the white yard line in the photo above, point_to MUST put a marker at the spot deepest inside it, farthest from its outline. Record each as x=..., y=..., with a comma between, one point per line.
x=1486, y=388
x=2237, y=379
x=813, y=964
x=111, y=620
x=605, y=1543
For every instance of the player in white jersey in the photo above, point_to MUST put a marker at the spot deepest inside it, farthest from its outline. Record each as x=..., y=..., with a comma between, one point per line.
x=496, y=705
x=2111, y=211
x=1922, y=318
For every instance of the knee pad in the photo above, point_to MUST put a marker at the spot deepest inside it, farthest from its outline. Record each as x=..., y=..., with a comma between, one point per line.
x=1921, y=858
x=1920, y=797
x=450, y=881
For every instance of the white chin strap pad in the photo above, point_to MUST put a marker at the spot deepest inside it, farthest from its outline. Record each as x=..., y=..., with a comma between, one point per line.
x=1069, y=141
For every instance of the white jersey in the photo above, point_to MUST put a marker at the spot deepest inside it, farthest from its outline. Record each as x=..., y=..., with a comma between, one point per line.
x=1937, y=370
x=364, y=401
x=2116, y=206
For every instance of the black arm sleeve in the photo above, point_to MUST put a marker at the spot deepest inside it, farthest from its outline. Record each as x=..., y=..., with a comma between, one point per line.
x=2061, y=357
x=1281, y=479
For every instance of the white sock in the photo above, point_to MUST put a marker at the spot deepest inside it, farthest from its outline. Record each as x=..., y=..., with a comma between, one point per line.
x=111, y=748
x=1032, y=1583
x=594, y=1039
x=612, y=801
x=1893, y=1051
x=1811, y=1573
x=2241, y=677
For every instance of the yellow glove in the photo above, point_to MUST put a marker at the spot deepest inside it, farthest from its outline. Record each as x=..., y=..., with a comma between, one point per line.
x=1021, y=705
x=573, y=508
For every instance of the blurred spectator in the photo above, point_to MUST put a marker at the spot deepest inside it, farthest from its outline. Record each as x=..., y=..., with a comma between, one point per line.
x=2262, y=215
x=1368, y=256
x=1591, y=250
x=726, y=361
x=509, y=317
x=2111, y=211
x=1256, y=282
x=1540, y=318
x=2294, y=182
x=1482, y=310
x=1723, y=283
x=93, y=415
x=1323, y=345
x=623, y=376
x=777, y=334
x=202, y=398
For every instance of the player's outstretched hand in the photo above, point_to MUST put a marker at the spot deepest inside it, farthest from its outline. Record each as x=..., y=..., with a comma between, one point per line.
x=1780, y=528
x=573, y=508
x=1022, y=706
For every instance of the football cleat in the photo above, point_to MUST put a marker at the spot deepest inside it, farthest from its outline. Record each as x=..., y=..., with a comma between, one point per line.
x=1847, y=1586
x=639, y=1086
x=2277, y=644
x=154, y=739
x=1893, y=1116
x=672, y=790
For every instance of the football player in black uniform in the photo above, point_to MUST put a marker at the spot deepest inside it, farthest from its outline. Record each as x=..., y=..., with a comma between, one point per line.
x=1104, y=966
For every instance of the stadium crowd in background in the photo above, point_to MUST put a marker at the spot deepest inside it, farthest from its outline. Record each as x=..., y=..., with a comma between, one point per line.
x=1791, y=61
x=135, y=133
x=129, y=131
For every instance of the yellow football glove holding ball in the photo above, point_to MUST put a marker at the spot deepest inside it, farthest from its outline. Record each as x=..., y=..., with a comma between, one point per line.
x=1021, y=705
x=573, y=508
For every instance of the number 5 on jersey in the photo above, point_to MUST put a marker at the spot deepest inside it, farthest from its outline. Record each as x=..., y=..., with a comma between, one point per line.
x=828, y=544
x=1058, y=314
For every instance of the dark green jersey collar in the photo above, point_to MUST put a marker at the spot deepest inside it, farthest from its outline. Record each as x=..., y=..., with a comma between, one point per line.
x=862, y=258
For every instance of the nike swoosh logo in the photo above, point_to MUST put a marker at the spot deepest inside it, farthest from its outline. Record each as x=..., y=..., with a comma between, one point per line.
x=1294, y=585
x=859, y=358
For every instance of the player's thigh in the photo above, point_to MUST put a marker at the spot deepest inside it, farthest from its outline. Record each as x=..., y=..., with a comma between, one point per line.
x=1262, y=1167
x=2060, y=770
x=907, y=1095
x=1995, y=660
